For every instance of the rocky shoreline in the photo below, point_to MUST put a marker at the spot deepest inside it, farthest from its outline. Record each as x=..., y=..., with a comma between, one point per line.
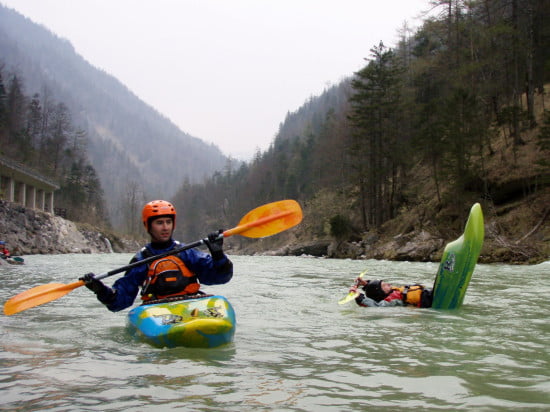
x=418, y=245
x=413, y=247
x=421, y=247
x=29, y=232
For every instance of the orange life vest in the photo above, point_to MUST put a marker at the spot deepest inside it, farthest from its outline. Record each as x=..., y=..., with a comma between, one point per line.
x=167, y=277
x=412, y=295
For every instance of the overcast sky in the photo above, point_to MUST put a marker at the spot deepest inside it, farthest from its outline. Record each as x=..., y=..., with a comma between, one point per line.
x=226, y=71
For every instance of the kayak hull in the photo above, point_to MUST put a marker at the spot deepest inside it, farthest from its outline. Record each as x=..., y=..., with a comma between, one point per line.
x=204, y=322
x=14, y=260
x=458, y=263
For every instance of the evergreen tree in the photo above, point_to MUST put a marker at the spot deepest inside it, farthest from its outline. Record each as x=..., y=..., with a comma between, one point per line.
x=34, y=121
x=3, y=110
x=40, y=134
x=15, y=115
x=375, y=115
x=58, y=137
x=544, y=141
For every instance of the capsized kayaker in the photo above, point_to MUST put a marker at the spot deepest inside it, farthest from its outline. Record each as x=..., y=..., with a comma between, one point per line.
x=171, y=277
x=381, y=293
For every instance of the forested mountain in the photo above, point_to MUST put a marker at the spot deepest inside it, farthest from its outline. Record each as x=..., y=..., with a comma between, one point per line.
x=122, y=131
x=455, y=114
x=44, y=139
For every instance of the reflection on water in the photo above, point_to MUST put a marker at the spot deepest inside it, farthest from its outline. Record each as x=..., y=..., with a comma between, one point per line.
x=295, y=348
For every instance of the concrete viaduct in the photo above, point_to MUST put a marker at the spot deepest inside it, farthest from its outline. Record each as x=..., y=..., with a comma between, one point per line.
x=20, y=184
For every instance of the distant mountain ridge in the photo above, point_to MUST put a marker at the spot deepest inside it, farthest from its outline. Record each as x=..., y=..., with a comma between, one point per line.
x=131, y=145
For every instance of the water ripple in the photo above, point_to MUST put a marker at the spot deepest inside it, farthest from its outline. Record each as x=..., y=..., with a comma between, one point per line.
x=295, y=348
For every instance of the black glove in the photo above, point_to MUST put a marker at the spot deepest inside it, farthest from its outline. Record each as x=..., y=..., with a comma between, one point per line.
x=104, y=293
x=215, y=244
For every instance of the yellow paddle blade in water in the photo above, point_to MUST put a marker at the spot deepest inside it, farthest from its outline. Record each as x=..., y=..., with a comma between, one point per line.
x=352, y=295
x=38, y=295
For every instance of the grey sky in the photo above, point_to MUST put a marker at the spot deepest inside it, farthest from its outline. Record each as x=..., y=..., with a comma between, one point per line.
x=225, y=71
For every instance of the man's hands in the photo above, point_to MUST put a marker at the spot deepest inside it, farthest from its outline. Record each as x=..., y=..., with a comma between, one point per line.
x=95, y=285
x=214, y=242
x=104, y=293
x=360, y=281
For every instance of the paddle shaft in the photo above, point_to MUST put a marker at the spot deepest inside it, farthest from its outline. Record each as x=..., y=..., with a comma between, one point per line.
x=230, y=232
x=150, y=259
x=263, y=221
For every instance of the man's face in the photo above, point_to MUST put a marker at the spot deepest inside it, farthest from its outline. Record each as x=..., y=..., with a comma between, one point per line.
x=161, y=229
x=386, y=287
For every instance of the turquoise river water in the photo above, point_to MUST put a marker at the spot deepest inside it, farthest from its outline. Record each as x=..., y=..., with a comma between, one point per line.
x=295, y=348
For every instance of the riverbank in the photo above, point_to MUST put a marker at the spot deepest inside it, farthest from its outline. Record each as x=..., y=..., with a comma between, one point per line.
x=515, y=233
x=31, y=232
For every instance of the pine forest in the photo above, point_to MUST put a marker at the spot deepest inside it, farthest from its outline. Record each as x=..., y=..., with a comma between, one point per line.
x=456, y=113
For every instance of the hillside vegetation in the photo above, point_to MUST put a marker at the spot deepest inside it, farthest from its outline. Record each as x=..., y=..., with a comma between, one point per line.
x=454, y=115
x=119, y=130
x=386, y=164
x=515, y=198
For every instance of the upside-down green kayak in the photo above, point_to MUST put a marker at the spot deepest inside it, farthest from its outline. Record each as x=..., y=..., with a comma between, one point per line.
x=203, y=322
x=458, y=262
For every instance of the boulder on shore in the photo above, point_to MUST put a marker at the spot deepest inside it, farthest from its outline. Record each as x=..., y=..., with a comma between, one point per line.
x=28, y=232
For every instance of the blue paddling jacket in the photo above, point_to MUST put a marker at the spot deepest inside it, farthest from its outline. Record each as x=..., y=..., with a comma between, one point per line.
x=208, y=271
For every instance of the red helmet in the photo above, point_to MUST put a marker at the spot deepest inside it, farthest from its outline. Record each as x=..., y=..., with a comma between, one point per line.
x=157, y=208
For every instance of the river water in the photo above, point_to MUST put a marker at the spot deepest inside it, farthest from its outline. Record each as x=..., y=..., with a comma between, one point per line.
x=295, y=348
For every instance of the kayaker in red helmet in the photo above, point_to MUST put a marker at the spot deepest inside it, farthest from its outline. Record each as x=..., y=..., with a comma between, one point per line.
x=170, y=278
x=380, y=293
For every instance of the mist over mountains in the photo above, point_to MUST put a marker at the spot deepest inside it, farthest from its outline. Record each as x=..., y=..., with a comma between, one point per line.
x=137, y=152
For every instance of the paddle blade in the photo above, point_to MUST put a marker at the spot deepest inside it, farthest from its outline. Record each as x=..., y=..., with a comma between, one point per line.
x=351, y=296
x=268, y=220
x=38, y=296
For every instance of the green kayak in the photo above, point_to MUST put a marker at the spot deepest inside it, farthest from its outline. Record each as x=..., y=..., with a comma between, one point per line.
x=458, y=262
